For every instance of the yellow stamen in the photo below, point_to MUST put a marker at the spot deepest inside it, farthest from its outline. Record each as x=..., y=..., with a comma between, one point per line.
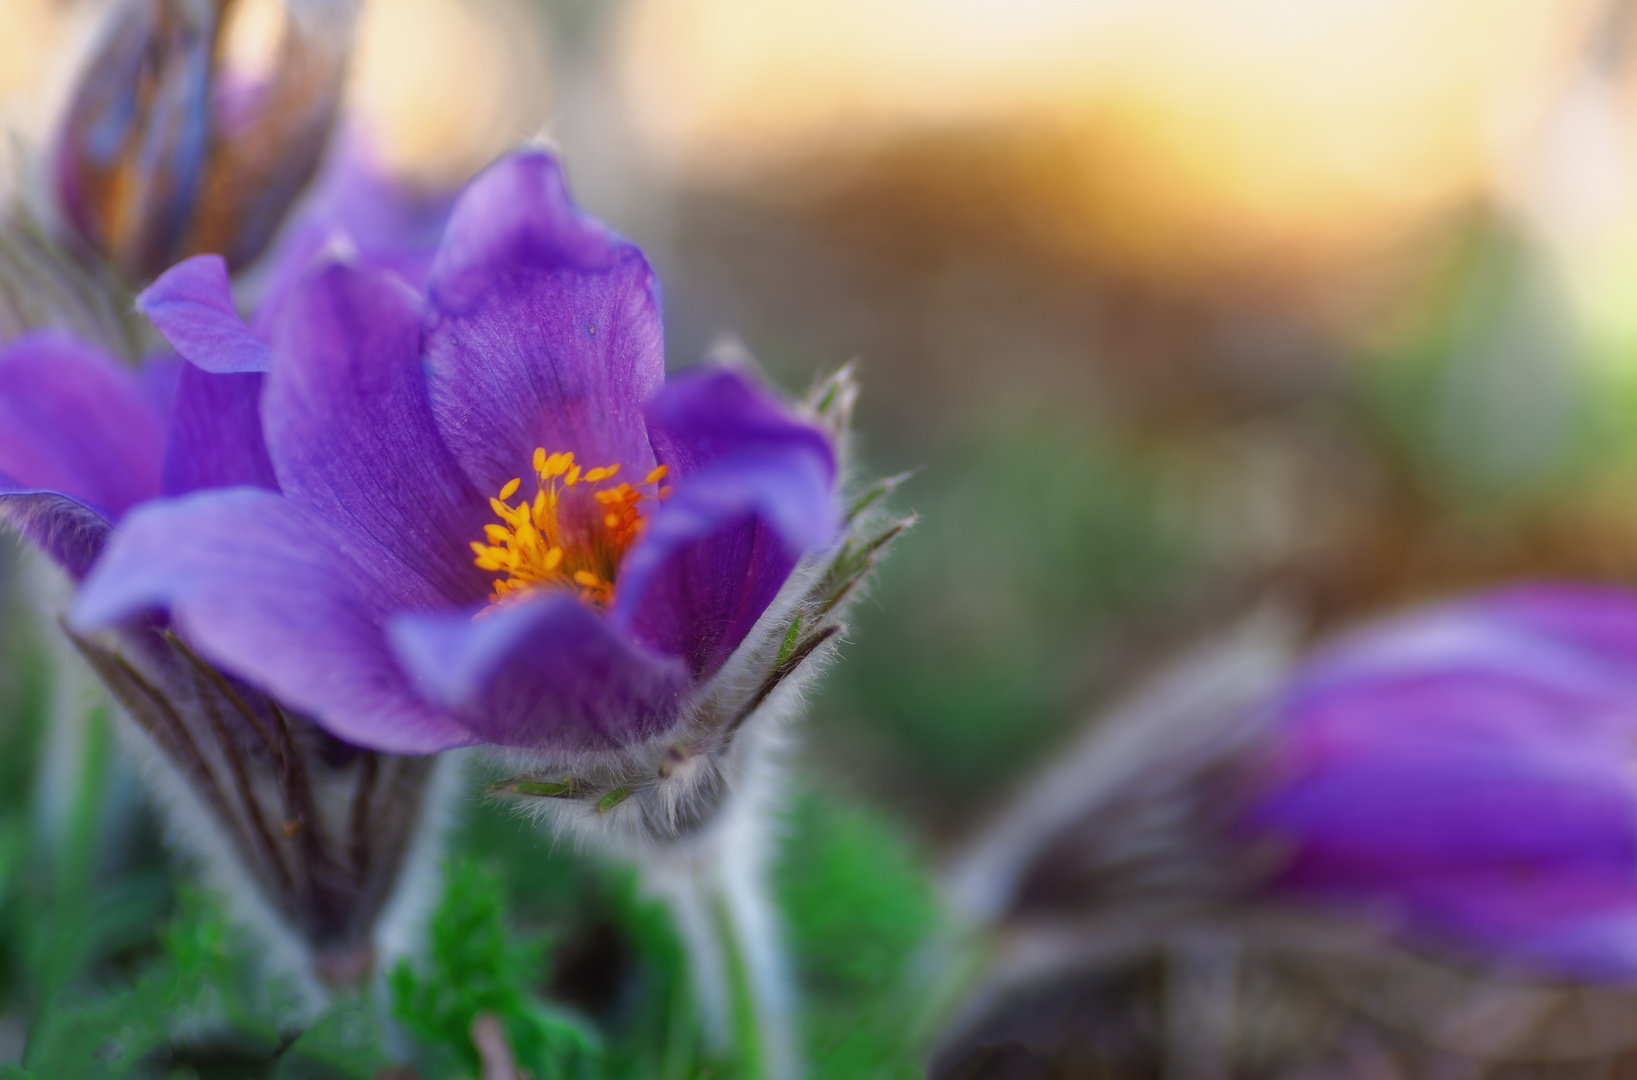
x=558, y=539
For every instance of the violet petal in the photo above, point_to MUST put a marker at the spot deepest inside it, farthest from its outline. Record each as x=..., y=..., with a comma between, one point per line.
x=1462, y=772
x=192, y=305
x=215, y=434
x=754, y=494
x=546, y=332
x=351, y=433
x=710, y=412
x=75, y=420
x=355, y=204
x=269, y=591
x=546, y=671
x=1484, y=846
x=68, y=530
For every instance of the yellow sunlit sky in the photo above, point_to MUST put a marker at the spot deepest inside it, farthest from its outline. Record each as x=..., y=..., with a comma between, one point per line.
x=1177, y=138
x=1187, y=126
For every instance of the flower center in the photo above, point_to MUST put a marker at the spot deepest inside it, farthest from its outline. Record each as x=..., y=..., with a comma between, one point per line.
x=572, y=535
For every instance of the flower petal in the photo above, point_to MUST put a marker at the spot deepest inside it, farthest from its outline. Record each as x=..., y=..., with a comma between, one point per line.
x=1552, y=666
x=547, y=329
x=271, y=592
x=352, y=437
x=712, y=412
x=1461, y=770
x=543, y=672
x=71, y=532
x=517, y=217
x=192, y=305
x=756, y=493
x=74, y=420
x=354, y=203
x=215, y=434
x=159, y=375
x=1483, y=845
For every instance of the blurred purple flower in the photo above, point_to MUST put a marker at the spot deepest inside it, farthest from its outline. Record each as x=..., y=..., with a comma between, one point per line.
x=1464, y=774
x=404, y=587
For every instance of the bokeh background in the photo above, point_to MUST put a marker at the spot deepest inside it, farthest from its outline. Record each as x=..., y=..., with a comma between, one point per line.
x=1174, y=306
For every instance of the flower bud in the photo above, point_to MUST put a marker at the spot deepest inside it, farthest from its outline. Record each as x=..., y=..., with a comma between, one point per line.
x=173, y=146
x=1435, y=812
x=308, y=837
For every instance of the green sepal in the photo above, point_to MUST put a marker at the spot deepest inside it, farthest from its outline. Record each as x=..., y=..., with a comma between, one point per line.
x=788, y=645
x=567, y=789
x=614, y=798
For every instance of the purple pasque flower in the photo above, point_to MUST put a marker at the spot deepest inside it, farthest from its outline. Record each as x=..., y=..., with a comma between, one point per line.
x=496, y=523
x=311, y=835
x=1464, y=774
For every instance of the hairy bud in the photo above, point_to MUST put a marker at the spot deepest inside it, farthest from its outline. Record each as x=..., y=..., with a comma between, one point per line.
x=1435, y=809
x=310, y=837
x=169, y=149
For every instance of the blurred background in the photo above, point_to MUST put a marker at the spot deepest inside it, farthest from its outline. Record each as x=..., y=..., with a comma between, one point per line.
x=1175, y=306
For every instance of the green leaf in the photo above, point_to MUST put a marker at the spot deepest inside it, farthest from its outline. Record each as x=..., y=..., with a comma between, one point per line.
x=202, y=982
x=345, y=1043
x=477, y=963
x=858, y=905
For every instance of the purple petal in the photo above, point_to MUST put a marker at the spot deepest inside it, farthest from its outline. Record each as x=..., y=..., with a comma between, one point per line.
x=1403, y=811
x=1462, y=770
x=518, y=217
x=1590, y=635
x=1484, y=846
x=543, y=672
x=1555, y=665
x=192, y=305
x=1599, y=621
x=215, y=434
x=355, y=203
x=1584, y=927
x=272, y=593
x=74, y=420
x=69, y=531
x=756, y=493
x=159, y=376
x=547, y=330
x=351, y=434
x=713, y=412
x=713, y=559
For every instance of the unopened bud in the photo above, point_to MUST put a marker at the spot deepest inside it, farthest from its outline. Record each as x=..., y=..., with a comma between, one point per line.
x=184, y=136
